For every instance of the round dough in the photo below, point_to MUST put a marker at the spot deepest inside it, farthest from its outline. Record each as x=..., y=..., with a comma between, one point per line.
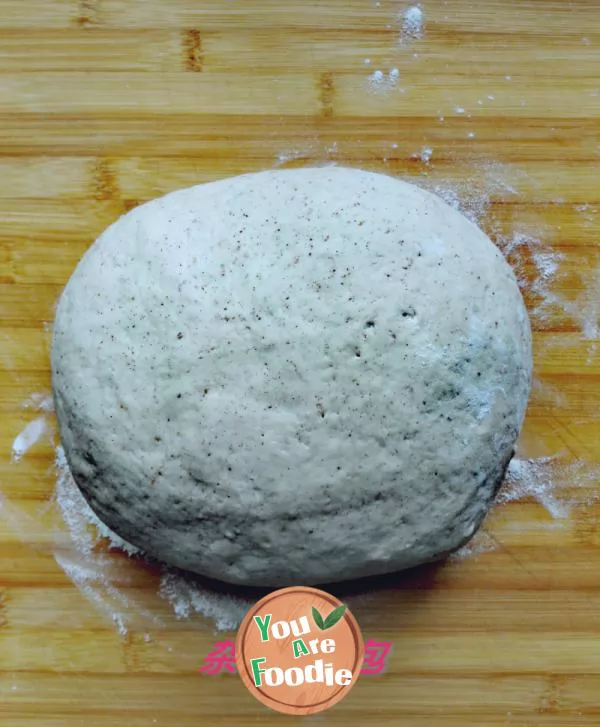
x=297, y=376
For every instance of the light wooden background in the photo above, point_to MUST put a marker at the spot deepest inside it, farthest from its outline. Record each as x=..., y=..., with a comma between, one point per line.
x=107, y=103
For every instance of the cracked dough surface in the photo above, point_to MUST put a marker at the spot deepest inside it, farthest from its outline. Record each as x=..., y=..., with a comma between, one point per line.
x=292, y=377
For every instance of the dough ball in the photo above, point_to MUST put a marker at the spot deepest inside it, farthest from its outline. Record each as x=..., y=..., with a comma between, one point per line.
x=292, y=377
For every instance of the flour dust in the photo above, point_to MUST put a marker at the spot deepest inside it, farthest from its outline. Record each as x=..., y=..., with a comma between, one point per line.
x=543, y=478
x=384, y=81
x=33, y=433
x=411, y=21
x=560, y=486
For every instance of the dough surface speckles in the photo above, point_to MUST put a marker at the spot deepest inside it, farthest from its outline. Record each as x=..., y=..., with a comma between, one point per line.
x=297, y=376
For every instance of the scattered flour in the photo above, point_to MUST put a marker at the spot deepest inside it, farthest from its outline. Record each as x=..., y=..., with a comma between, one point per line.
x=584, y=307
x=426, y=154
x=585, y=208
x=558, y=485
x=76, y=513
x=532, y=478
x=187, y=597
x=526, y=252
x=411, y=21
x=93, y=583
x=546, y=263
x=473, y=196
x=32, y=434
x=379, y=81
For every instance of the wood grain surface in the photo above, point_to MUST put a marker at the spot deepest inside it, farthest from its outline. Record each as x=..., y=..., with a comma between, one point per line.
x=105, y=104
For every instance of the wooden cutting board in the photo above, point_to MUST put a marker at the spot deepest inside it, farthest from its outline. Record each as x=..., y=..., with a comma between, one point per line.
x=105, y=104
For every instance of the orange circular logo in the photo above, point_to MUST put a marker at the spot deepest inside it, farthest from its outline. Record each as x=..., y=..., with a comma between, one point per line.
x=299, y=650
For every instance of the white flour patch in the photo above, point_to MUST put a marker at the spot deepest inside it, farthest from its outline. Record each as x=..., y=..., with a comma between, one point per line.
x=426, y=154
x=546, y=263
x=460, y=195
x=75, y=511
x=379, y=81
x=187, y=597
x=559, y=486
x=31, y=435
x=517, y=242
x=78, y=516
x=533, y=478
x=412, y=22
